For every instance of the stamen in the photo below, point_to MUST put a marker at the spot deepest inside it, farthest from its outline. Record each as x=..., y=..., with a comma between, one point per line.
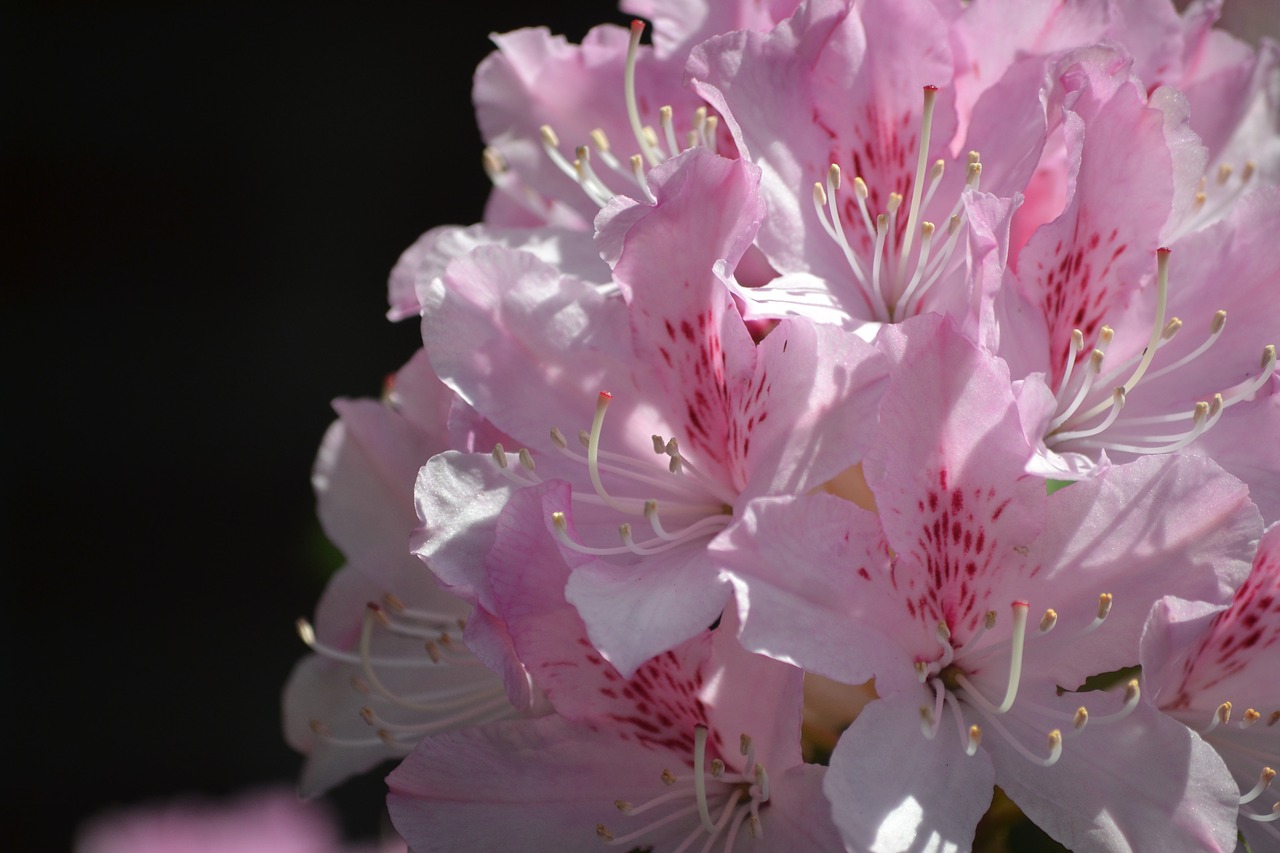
x=975, y=738
x=1250, y=717
x=1221, y=716
x=1015, y=665
x=699, y=781
x=1132, y=693
x=1157, y=328
x=917, y=188
x=629, y=89
x=668, y=129
x=1267, y=818
x=1264, y=782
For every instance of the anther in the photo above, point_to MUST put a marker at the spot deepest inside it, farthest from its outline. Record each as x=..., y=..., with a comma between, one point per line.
x=975, y=738
x=603, y=833
x=500, y=455
x=1274, y=718
x=989, y=620
x=1104, y=605
x=622, y=806
x=668, y=778
x=1221, y=716
x=1048, y=621
x=1250, y=717
x=526, y=459
x=1081, y=718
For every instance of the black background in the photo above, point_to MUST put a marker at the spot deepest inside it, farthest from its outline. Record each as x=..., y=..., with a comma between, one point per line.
x=200, y=207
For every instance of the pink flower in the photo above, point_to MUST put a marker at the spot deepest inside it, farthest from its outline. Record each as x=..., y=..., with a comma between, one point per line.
x=389, y=664
x=532, y=351
x=918, y=597
x=1216, y=671
x=698, y=747
x=868, y=197
x=259, y=822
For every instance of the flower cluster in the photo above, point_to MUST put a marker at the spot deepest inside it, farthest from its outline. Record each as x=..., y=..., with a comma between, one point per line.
x=808, y=442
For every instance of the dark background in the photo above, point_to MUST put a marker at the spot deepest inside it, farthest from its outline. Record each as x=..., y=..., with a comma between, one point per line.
x=200, y=205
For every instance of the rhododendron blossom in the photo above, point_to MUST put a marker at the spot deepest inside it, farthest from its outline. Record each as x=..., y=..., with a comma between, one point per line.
x=847, y=411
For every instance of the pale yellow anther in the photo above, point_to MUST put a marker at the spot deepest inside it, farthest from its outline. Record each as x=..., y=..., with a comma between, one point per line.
x=500, y=455
x=1250, y=717
x=1219, y=320
x=895, y=202
x=974, y=157
x=600, y=140
x=1224, y=713
x=938, y=168
x=1247, y=172
x=927, y=228
x=1224, y=173
x=860, y=188
x=989, y=619
x=622, y=806
x=1048, y=620
x=1104, y=605
x=744, y=743
x=668, y=778
x=717, y=767
x=833, y=176
x=603, y=833
x=819, y=195
x=1132, y=690
x=549, y=136
x=1081, y=718
x=493, y=161
x=1171, y=328
x=557, y=438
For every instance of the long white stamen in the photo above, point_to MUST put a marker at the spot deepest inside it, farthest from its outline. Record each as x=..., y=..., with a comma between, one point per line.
x=1117, y=405
x=1266, y=818
x=699, y=781
x=629, y=90
x=926, y=243
x=1054, y=738
x=917, y=188
x=1016, y=643
x=1157, y=330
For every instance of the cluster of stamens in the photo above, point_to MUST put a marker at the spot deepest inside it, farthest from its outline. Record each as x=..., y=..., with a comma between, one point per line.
x=1215, y=195
x=953, y=688
x=1091, y=395
x=478, y=697
x=895, y=278
x=1221, y=721
x=702, y=504
x=724, y=800
x=654, y=145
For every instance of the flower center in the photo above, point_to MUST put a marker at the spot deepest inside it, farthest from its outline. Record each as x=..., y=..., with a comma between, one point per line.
x=723, y=799
x=422, y=681
x=702, y=506
x=893, y=273
x=655, y=146
x=951, y=677
x=1091, y=400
